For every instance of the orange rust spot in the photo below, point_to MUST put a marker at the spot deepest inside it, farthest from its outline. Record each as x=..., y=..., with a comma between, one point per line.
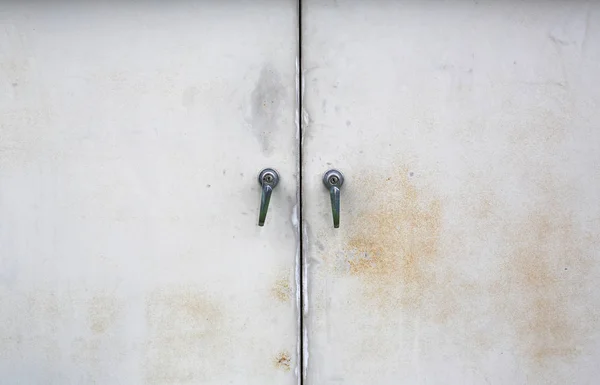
x=281, y=290
x=283, y=361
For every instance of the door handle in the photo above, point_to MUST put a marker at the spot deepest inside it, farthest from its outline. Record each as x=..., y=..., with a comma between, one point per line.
x=268, y=179
x=333, y=180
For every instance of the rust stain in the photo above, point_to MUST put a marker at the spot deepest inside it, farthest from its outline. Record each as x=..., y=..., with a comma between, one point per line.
x=392, y=248
x=184, y=324
x=529, y=296
x=282, y=290
x=538, y=294
x=485, y=207
x=86, y=350
x=283, y=361
x=103, y=311
x=24, y=313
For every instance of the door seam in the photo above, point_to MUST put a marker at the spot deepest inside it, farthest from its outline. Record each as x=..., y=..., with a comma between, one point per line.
x=301, y=285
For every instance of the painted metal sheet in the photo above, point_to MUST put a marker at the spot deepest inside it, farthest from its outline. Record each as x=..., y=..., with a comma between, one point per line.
x=131, y=137
x=468, y=250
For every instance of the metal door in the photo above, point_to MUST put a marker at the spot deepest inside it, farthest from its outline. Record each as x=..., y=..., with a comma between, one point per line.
x=131, y=137
x=468, y=248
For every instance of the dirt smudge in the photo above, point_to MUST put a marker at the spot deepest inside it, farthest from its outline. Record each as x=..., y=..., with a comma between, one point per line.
x=265, y=110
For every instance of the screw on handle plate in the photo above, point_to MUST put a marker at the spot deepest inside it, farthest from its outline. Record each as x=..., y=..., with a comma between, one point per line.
x=333, y=180
x=268, y=179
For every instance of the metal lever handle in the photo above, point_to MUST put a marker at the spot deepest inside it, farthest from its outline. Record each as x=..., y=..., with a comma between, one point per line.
x=333, y=180
x=268, y=179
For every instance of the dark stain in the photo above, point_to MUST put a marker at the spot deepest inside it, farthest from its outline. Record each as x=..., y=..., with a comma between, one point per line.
x=283, y=361
x=558, y=40
x=266, y=99
x=320, y=245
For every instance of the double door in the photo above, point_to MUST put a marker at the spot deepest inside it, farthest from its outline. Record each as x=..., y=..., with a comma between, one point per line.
x=131, y=137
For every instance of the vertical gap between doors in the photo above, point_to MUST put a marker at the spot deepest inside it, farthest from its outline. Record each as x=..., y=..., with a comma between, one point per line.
x=300, y=80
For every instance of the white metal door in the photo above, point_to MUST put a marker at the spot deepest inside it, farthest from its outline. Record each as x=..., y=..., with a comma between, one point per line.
x=468, y=250
x=131, y=136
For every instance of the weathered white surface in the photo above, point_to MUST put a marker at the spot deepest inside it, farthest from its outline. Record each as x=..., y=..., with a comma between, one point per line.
x=131, y=135
x=468, y=133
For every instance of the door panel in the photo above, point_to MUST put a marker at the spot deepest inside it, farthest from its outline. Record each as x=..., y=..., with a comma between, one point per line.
x=131, y=138
x=468, y=246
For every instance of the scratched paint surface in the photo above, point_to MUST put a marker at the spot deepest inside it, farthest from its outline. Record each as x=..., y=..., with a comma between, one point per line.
x=130, y=140
x=469, y=246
